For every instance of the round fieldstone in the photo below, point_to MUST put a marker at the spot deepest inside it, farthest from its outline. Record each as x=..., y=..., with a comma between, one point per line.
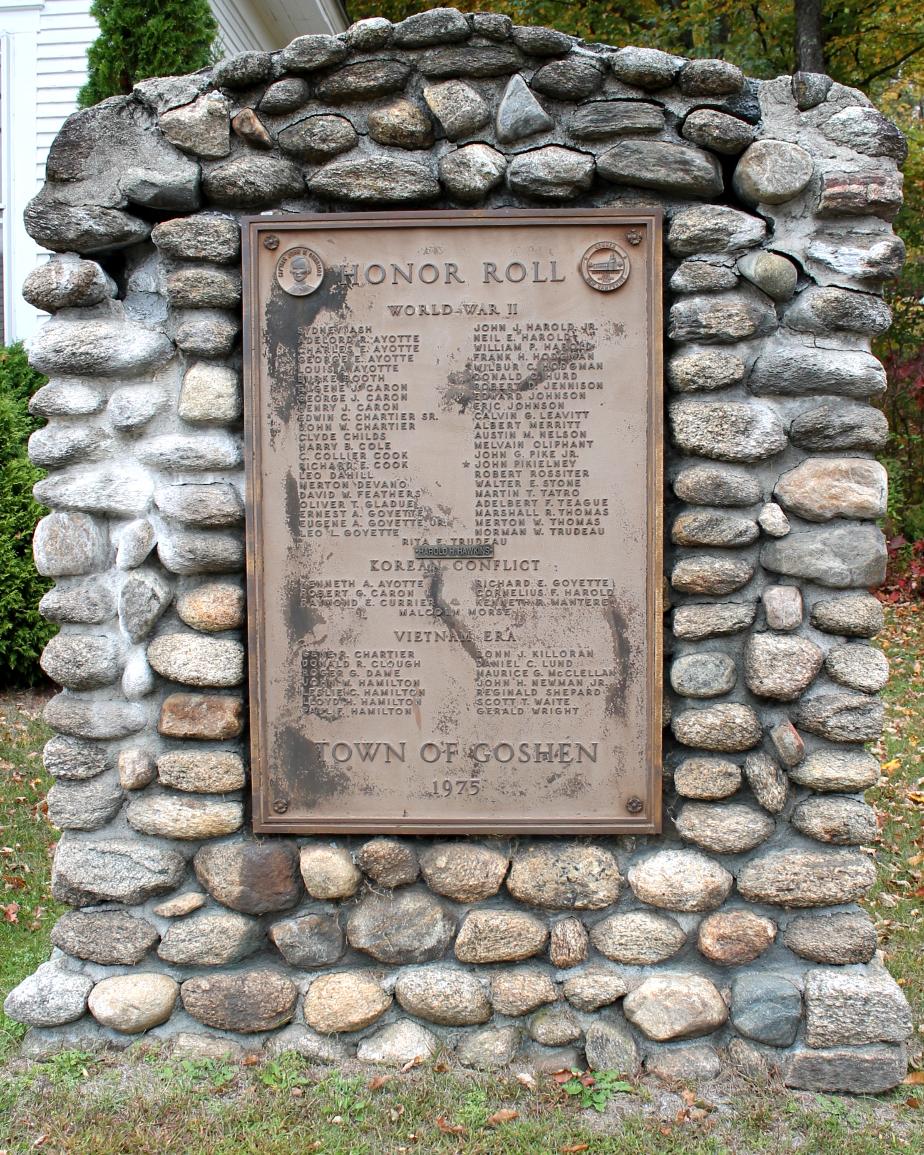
x=469, y=173
x=841, y=717
x=446, y=995
x=772, y=172
x=299, y=1040
x=520, y=990
x=837, y=770
x=707, y=779
x=83, y=603
x=645, y=67
x=772, y=273
x=286, y=95
x=388, y=862
x=720, y=318
x=346, y=1001
x=780, y=666
x=669, y=1006
x=201, y=287
x=405, y=926
x=710, y=128
x=680, y=170
x=435, y=26
x=245, y=1001
x=142, y=601
x=573, y=78
x=207, y=771
x=68, y=544
x=67, y=282
x=696, y=1064
x=798, y=369
x=133, y=1003
x=551, y=173
x=49, y=997
x=252, y=877
x=195, y=660
x=693, y=276
x=85, y=805
x=113, y=870
x=783, y=606
x=489, y=1050
x=682, y=880
x=364, y=80
x=725, y=728
x=212, y=608
x=206, y=716
x=827, y=309
x=853, y=616
x=398, y=1044
x=727, y=430
x=555, y=1027
x=602, y=119
x=181, y=905
x=766, y=1008
x=825, y=487
x=724, y=828
x=610, y=1046
x=309, y=940
x=252, y=180
x=375, y=180
x=575, y=877
x=703, y=675
x=203, y=237
x=594, y=987
x=136, y=541
x=788, y=744
x=858, y=667
x=716, y=484
x=838, y=939
x=712, y=528
x=318, y=138
x=713, y=229
x=842, y=821
x=767, y=781
x=840, y=425
x=401, y=124
x=108, y=937
x=801, y=878
x=458, y=108
x=210, y=394
x=201, y=127
x=214, y=938
x=463, y=871
x=841, y=555
x=568, y=943
x=842, y=1007
x=695, y=622
x=93, y=718
x=710, y=575
x=328, y=872
x=136, y=768
x=638, y=938
x=175, y=816
x=487, y=936
x=710, y=78
x=735, y=937
x=105, y=347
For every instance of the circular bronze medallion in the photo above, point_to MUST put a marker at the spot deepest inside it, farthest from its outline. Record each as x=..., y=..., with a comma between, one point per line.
x=605, y=266
x=300, y=271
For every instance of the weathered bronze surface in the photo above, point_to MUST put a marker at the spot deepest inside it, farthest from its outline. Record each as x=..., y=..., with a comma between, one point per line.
x=453, y=430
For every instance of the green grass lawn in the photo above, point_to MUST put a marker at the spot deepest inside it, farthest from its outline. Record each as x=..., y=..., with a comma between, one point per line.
x=145, y=1102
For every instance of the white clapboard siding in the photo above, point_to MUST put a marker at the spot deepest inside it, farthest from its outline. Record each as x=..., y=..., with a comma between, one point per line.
x=240, y=27
x=66, y=29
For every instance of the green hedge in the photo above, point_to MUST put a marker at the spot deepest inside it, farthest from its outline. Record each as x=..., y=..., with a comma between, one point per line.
x=23, y=632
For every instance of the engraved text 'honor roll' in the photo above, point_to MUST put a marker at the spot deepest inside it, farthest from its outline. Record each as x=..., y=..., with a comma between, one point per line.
x=454, y=495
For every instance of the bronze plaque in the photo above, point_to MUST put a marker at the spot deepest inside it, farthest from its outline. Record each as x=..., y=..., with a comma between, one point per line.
x=454, y=521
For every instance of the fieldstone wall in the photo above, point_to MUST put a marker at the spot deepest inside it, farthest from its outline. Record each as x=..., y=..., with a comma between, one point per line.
x=737, y=927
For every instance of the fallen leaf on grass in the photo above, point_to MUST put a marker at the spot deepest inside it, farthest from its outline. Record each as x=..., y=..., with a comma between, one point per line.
x=564, y=1075
x=449, y=1128
x=913, y=1102
x=250, y=1060
x=504, y=1115
x=574, y=1147
x=411, y=1064
x=378, y=1081
x=11, y=913
x=913, y=1079
x=526, y=1080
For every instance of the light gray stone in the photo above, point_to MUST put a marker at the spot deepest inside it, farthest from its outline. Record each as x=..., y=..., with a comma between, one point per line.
x=388, y=862
x=97, y=346
x=67, y=282
x=447, y=995
x=638, y=938
x=66, y=397
x=710, y=528
x=843, y=1008
x=774, y=274
x=518, y=990
x=593, y=987
x=328, y=873
x=822, y=488
x=183, y=452
x=767, y=781
x=207, y=333
x=695, y=622
x=731, y=431
x=837, y=770
x=212, y=504
x=708, y=779
x=792, y=370
x=696, y=1064
x=243, y=70
x=645, y=67
x=73, y=759
x=203, y=771
x=399, y=1043
x=57, y=445
x=113, y=870
x=555, y=1027
x=463, y=871
x=469, y=173
x=132, y=408
x=726, y=727
x=213, y=938
x=85, y=805
x=310, y=53
x=435, y=26
x=858, y=667
x=723, y=828
x=202, y=128
x=862, y=257
x=137, y=678
x=710, y=128
x=318, y=138
x=202, y=287
x=772, y=172
x=865, y=130
x=838, y=556
x=176, y=816
x=602, y=119
x=136, y=768
x=197, y=660
x=81, y=661
x=841, y=716
x=489, y=1050
x=85, y=717
x=783, y=607
x=286, y=95
x=853, y=1070
x=716, y=485
x=681, y=170
x=253, y=180
x=49, y=997
x=766, y=1008
x=122, y=489
x=573, y=78
x=838, y=939
x=826, y=309
x=682, y=880
x=721, y=318
x=492, y=25
x=107, y=937
x=309, y=941
x=81, y=228
x=703, y=675
x=695, y=276
x=551, y=173
x=841, y=821
x=364, y=80
x=404, y=926
x=699, y=574
x=802, y=878
x=840, y=425
x=458, y=107
x=87, y=603
x=856, y=615
x=668, y=1006
x=570, y=877
x=201, y=552
x=713, y=229
x=203, y=237
x=212, y=608
x=369, y=34
x=500, y=936
x=773, y=521
x=810, y=89
x=609, y=1046
x=710, y=78
x=375, y=179
x=780, y=666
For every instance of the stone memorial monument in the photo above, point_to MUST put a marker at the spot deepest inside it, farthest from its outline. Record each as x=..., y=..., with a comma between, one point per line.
x=421, y=408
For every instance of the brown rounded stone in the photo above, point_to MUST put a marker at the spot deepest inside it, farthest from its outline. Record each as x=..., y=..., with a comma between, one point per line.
x=182, y=904
x=520, y=990
x=179, y=816
x=388, y=862
x=245, y=1001
x=463, y=871
x=209, y=716
x=735, y=937
x=328, y=872
x=403, y=926
x=500, y=936
x=212, y=608
x=594, y=987
x=252, y=877
x=133, y=1003
x=346, y=1001
x=675, y=1007
x=568, y=943
x=575, y=877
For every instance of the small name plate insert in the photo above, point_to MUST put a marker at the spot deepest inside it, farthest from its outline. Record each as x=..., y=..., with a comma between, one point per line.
x=453, y=450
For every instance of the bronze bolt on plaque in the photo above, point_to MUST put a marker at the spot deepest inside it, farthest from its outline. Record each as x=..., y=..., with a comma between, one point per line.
x=453, y=446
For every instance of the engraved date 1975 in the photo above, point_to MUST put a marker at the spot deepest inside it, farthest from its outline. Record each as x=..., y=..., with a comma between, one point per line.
x=447, y=787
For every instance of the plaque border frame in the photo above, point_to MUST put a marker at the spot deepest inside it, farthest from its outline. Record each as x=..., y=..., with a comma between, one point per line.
x=264, y=818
